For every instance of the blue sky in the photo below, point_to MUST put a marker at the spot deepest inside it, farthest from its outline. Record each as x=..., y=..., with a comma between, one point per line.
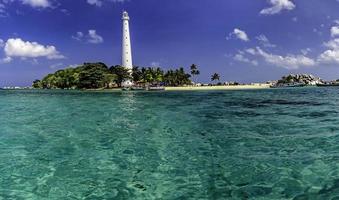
x=243, y=40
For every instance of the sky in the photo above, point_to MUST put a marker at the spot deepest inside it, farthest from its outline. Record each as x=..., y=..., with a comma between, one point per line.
x=242, y=40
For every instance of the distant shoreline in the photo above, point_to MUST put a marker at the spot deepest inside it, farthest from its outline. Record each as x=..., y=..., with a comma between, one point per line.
x=221, y=87
x=182, y=88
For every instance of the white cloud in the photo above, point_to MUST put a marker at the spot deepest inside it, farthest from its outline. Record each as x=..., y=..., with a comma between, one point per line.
x=78, y=36
x=16, y=47
x=241, y=58
x=91, y=37
x=288, y=62
x=264, y=41
x=33, y=3
x=95, y=2
x=331, y=55
x=305, y=51
x=65, y=11
x=239, y=34
x=6, y=60
x=332, y=44
x=37, y=3
x=335, y=31
x=99, y=3
x=3, y=12
x=94, y=38
x=2, y=43
x=250, y=51
x=278, y=6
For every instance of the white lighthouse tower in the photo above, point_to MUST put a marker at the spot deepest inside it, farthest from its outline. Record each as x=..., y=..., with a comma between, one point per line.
x=126, y=47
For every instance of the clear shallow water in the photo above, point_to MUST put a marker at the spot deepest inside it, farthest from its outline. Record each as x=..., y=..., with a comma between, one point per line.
x=264, y=144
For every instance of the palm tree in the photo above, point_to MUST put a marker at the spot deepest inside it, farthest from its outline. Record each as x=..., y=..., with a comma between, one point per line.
x=158, y=75
x=136, y=75
x=215, y=77
x=194, y=71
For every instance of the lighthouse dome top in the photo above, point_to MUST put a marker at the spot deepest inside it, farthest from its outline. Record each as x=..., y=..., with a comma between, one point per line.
x=125, y=16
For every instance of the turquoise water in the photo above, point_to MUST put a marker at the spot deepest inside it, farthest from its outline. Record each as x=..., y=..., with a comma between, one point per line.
x=260, y=144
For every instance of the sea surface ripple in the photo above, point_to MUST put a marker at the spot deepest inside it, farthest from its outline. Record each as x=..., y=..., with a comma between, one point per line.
x=256, y=144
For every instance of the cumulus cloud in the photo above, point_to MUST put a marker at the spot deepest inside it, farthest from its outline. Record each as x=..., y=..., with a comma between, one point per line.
x=94, y=38
x=33, y=3
x=277, y=6
x=264, y=41
x=16, y=47
x=239, y=34
x=288, y=62
x=335, y=31
x=91, y=37
x=331, y=55
x=37, y=3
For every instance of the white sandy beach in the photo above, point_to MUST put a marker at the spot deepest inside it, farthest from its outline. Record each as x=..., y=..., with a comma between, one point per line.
x=222, y=87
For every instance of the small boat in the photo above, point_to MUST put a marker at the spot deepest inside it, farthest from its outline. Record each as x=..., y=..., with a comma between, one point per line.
x=295, y=85
x=328, y=85
x=156, y=88
x=136, y=88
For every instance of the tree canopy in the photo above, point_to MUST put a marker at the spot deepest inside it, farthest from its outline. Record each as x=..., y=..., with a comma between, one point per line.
x=99, y=75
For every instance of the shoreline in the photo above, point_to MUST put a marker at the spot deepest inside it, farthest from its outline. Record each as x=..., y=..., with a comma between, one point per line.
x=221, y=87
x=180, y=88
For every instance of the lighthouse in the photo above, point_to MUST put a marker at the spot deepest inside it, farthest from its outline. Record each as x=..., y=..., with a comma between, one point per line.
x=126, y=47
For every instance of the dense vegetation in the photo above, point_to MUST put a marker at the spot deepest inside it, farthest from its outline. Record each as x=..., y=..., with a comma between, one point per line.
x=98, y=75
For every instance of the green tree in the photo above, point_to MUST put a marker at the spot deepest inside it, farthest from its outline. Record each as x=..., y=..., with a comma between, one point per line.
x=177, y=78
x=122, y=74
x=158, y=75
x=37, y=84
x=137, y=75
x=92, y=76
x=109, y=79
x=215, y=77
x=194, y=71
